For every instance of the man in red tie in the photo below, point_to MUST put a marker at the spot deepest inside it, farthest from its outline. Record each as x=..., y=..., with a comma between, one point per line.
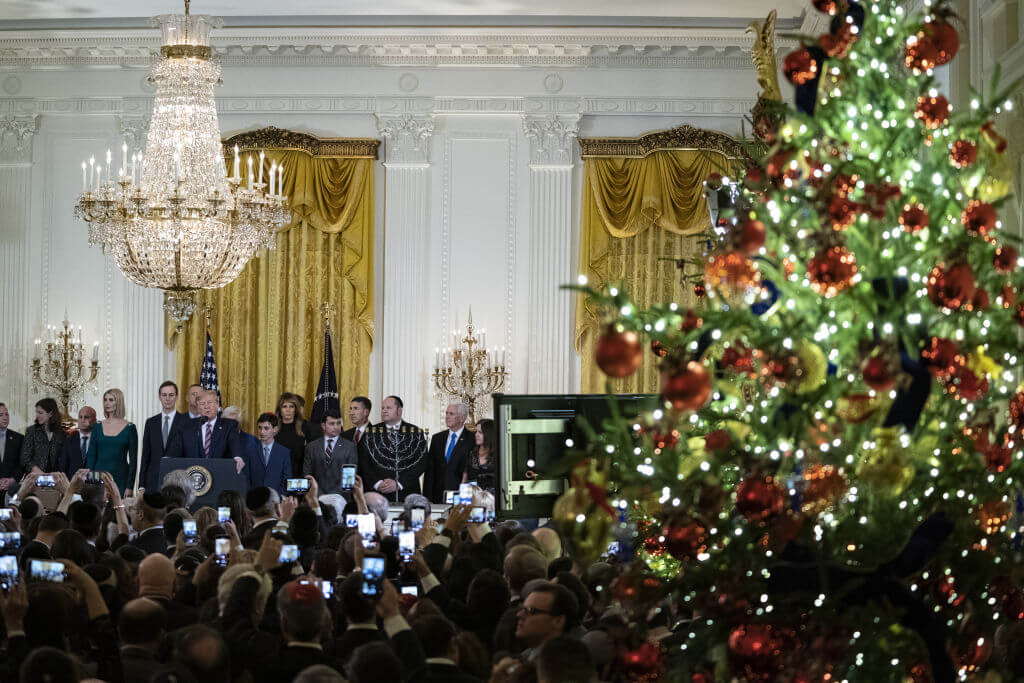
x=211, y=436
x=359, y=415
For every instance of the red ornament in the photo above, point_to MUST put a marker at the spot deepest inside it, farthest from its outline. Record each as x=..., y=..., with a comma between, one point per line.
x=998, y=457
x=941, y=356
x=1009, y=296
x=754, y=178
x=645, y=663
x=653, y=546
x=688, y=388
x=750, y=236
x=979, y=302
x=877, y=373
x=717, y=440
x=618, y=352
x=963, y=153
x=800, y=66
x=832, y=270
x=685, y=539
x=778, y=164
x=972, y=654
x=951, y=287
x=637, y=586
x=1005, y=260
x=919, y=54
x=844, y=183
x=737, y=357
x=1019, y=314
x=914, y=217
x=826, y=6
x=700, y=291
x=759, y=498
x=964, y=384
x=825, y=485
x=758, y=651
x=658, y=349
x=943, y=38
x=730, y=271
x=691, y=321
x=932, y=111
x=979, y=218
x=944, y=592
x=1017, y=411
x=842, y=212
x=833, y=45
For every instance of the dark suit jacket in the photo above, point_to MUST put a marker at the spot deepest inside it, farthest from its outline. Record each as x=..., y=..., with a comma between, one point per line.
x=272, y=474
x=328, y=477
x=70, y=459
x=371, y=473
x=224, y=442
x=153, y=447
x=405, y=645
x=138, y=664
x=437, y=672
x=444, y=475
x=344, y=645
x=350, y=434
x=10, y=466
x=254, y=538
x=151, y=541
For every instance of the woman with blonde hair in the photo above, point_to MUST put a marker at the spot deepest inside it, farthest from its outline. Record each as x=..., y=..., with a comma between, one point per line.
x=294, y=431
x=115, y=442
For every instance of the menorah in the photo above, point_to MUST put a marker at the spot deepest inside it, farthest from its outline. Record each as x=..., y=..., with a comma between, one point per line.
x=469, y=372
x=64, y=369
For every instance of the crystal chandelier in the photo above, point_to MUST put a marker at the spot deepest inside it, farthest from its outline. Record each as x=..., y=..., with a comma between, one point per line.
x=171, y=216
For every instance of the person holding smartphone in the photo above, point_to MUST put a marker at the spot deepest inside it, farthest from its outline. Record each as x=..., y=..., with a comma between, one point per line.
x=325, y=458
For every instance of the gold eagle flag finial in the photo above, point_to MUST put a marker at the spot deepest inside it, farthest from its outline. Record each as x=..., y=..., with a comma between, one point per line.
x=763, y=55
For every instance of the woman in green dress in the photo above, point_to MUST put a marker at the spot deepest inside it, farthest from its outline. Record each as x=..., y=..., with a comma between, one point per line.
x=115, y=442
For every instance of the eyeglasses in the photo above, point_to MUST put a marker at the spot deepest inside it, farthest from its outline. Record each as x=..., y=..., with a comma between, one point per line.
x=530, y=611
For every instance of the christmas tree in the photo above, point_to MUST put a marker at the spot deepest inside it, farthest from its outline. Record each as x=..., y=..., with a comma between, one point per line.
x=832, y=487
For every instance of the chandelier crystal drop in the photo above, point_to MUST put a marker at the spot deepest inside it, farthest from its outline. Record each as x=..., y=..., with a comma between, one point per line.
x=171, y=217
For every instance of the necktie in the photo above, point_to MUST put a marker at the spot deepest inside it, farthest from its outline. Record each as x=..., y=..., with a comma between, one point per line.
x=3, y=444
x=167, y=428
x=266, y=455
x=359, y=435
x=85, y=446
x=208, y=438
x=329, y=449
x=451, y=447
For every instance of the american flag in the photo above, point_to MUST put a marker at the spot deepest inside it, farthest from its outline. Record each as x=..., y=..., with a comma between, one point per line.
x=208, y=373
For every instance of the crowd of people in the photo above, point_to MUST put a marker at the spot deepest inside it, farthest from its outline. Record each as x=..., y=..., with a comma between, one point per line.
x=99, y=581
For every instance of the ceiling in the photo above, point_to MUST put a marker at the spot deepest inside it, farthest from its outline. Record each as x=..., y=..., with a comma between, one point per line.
x=651, y=13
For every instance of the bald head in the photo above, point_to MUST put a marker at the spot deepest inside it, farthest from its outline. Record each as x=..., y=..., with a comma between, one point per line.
x=550, y=543
x=142, y=623
x=156, y=577
x=378, y=505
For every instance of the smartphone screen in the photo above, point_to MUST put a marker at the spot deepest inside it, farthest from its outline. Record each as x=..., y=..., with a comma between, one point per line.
x=476, y=515
x=613, y=548
x=46, y=481
x=352, y=521
x=223, y=515
x=8, y=571
x=189, y=528
x=45, y=570
x=221, y=550
x=449, y=497
x=407, y=543
x=367, y=529
x=10, y=540
x=297, y=486
x=465, y=493
x=373, y=574
x=289, y=553
x=93, y=477
x=5, y=514
x=411, y=590
x=416, y=516
x=348, y=477
x=327, y=588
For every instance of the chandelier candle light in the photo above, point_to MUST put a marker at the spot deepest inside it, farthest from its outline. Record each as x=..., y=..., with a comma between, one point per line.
x=468, y=372
x=63, y=369
x=171, y=217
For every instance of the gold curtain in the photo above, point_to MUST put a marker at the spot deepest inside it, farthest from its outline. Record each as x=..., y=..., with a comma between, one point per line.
x=643, y=208
x=267, y=325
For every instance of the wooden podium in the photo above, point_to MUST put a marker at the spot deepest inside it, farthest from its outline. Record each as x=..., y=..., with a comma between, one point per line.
x=209, y=476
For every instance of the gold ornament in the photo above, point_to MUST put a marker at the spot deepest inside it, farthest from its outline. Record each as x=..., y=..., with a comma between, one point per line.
x=887, y=466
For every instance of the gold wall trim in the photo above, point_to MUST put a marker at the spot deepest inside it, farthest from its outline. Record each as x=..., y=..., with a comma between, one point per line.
x=281, y=139
x=679, y=138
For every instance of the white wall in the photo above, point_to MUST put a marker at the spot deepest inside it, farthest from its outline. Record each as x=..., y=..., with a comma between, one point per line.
x=471, y=210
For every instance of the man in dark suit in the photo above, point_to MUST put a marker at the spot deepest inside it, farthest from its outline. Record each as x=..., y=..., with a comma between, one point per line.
x=437, y=635
x=149, y=519
x=262, y=503
x=141, y=625
x=211, y=436
x=10, y=451
x=393, y=448
x=157, y=436
x=272, y=464
x=326, y=455
x=448, y=453
x=72, y=456
x=359, y=415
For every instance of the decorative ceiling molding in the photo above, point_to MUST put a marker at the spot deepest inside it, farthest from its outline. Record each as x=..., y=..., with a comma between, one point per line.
x=357, y=104
x=281, y=139
x=628, y=47
x=680, y=138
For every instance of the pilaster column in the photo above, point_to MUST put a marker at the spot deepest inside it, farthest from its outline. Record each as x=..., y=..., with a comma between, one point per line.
x=17, y=321
x=402, y=333
x=552, y=264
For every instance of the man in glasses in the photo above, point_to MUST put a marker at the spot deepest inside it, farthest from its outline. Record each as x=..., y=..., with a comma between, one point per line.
x=547, y=612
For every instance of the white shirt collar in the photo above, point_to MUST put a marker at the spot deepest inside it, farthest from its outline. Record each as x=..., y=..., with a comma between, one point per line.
x=458, y=434
x=439, y=660
x=170, y=414
x=210, y=423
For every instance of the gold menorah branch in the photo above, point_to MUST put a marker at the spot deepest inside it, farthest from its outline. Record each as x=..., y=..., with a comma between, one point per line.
x=469, y=372
x=59, y=364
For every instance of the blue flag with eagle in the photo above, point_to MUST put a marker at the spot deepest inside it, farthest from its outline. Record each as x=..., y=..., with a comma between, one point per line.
x=327, y=388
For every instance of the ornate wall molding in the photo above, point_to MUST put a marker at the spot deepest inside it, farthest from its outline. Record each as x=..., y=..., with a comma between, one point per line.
x=16, y=133
x=551, y=138
x=133, y=130
x=279, y=138
x=585, y=47
x=408, y=137
x=681, y=137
